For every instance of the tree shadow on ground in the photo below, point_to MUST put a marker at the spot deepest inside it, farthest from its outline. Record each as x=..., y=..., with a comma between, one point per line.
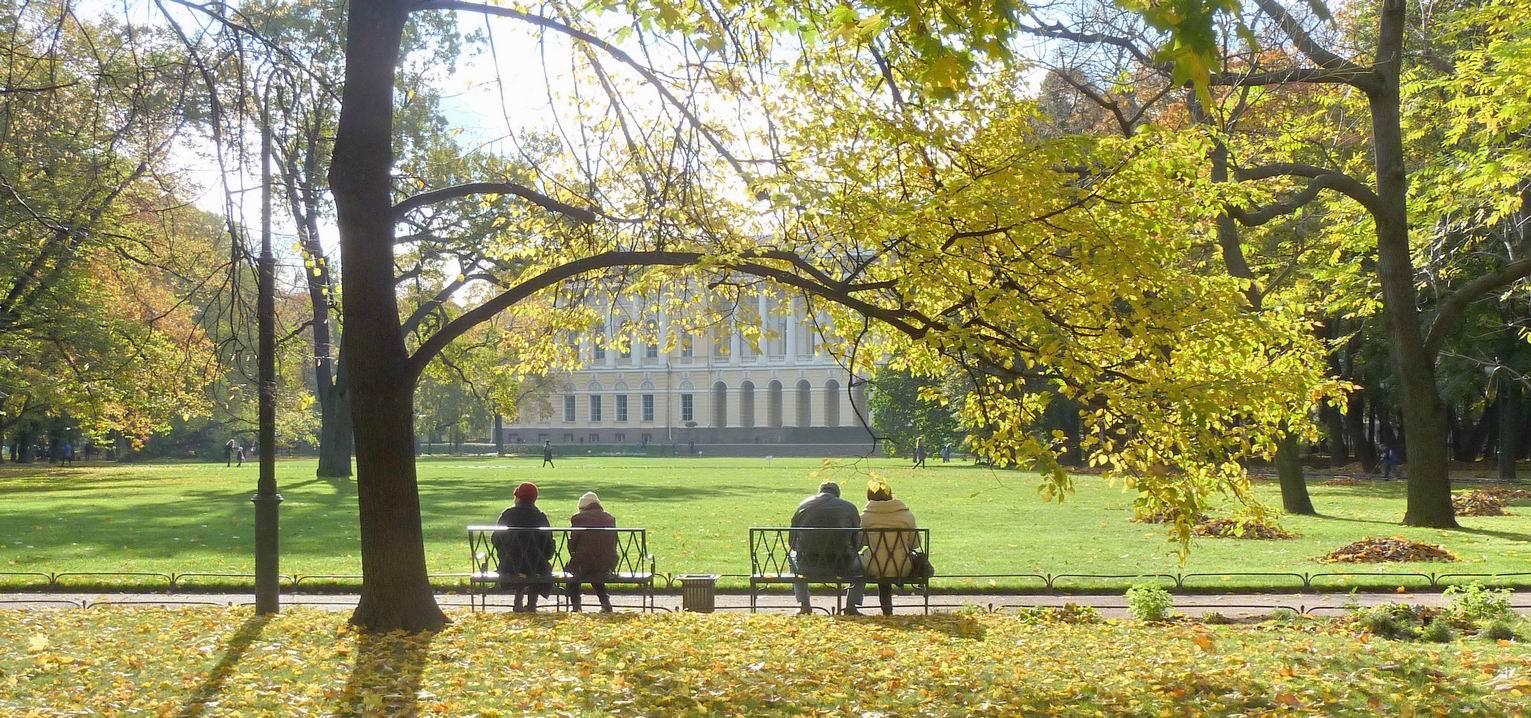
x=385, y=675
x=955, y=625
x=1507, y=535
x=233, y=651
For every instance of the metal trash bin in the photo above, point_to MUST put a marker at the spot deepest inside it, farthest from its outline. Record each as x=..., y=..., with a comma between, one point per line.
x=698, y=592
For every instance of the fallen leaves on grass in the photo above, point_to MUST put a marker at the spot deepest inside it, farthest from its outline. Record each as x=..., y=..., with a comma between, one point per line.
x=1508, y=494
x=1241, y=529
x=226, y=662
x=1208, y=526
x=1477, y=503
x=1387, y=550
x=1344, y=481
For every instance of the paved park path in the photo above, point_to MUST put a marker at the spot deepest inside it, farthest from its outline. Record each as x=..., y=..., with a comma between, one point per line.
x=1233, y=605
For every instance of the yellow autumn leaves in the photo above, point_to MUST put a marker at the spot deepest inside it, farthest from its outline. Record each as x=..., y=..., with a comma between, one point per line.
x=221, y=662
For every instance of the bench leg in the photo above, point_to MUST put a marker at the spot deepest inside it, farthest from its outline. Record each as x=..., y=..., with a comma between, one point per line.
x=752, y=596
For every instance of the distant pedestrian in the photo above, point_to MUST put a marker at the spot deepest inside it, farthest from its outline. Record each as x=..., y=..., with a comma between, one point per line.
x=919, y=452
x=239, y=456
x=946, y=453
x=69, y=453
x=547, y=454
x=1389, y=461
x=228, y=453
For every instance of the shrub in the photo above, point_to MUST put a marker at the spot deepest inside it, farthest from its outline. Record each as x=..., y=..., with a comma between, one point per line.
x=1394, y=621
x=1285, y=615
x=1498, y=630
x=1067, y=613
x=1147, y=602
x=1478, y=605
x=1438, y=631
x=1215, y=618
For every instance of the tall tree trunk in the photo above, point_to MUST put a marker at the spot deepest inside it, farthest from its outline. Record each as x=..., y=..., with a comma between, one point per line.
x=1294, y=486
x=499, y=435
x=1424, y=422
x=1510, y=418
x=1355, y=427
x=1481, y=442
x=336, y=432
x=396, y=590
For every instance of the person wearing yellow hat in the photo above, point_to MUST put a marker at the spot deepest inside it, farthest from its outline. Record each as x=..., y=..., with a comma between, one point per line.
x=592, y=550
x=886, y=557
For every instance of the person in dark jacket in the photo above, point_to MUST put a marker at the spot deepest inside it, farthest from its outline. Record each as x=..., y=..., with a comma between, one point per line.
x=524, y=553
x=592, y=554
x=827, y=555
x=547, y=454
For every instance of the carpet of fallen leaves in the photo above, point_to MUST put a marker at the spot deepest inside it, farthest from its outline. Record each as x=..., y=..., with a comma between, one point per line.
x=1477, y=503
x=1386, y=550
x=226, y=662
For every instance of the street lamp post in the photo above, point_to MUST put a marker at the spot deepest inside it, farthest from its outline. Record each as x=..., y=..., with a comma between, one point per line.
x=266, y=499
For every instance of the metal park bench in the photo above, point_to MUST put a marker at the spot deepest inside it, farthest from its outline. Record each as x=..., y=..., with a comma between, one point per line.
x=885, y=556
x=634, y=565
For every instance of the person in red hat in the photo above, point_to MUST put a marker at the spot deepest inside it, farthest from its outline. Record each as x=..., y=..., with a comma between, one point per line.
x=524, y=550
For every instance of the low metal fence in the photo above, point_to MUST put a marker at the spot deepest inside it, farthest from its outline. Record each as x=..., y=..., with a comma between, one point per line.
x=1019, y=583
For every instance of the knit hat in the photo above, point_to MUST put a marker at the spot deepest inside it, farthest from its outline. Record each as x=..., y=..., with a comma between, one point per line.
x=588, y=500
x=526, y=492
x=829, y=487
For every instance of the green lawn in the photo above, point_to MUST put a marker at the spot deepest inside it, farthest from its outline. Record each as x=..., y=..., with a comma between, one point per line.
x=186, y=517
x=226, y=662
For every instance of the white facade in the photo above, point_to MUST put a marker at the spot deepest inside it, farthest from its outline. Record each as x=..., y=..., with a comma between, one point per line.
x=715, y=388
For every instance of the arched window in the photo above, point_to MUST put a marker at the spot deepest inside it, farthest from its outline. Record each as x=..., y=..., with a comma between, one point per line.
x=859, y=400
x=831, y=403
x=720, y=405
x=773, y=404
x=747, y=405
x=804, y=404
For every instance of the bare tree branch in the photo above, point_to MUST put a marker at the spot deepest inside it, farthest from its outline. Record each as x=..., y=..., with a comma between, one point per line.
x=579, y=214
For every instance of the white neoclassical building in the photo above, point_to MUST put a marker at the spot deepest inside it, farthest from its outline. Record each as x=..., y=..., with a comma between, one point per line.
x=716, y=391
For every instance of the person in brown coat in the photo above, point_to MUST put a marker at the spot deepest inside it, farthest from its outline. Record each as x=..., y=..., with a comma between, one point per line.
x=592, y=554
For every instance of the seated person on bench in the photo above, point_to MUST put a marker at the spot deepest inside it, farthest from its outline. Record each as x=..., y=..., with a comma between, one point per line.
x=827, y=555
x=525, y=553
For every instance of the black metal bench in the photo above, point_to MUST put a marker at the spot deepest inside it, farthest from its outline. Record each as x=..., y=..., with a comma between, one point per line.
x=635, y=565
x=884, y=551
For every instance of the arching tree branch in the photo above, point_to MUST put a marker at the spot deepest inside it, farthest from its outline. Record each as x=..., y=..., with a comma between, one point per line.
x=1337, y=181
x=579, y=214
x=1450, y=309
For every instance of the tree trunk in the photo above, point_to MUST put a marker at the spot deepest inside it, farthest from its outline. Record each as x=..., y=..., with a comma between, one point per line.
x=1481, y=443
x=1510, y=409
x=1355, y=427
x=499, y=435
x=1424, y=422
x=1294, y=487
x=396, y=590
x=336, y=432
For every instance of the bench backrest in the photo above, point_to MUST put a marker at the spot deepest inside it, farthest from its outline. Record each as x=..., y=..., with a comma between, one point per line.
x=626, y=550
x=886, y=550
